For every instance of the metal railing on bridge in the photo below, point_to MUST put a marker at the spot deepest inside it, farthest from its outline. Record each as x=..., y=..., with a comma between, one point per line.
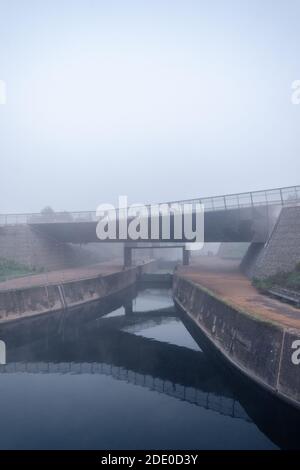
x=279, y=196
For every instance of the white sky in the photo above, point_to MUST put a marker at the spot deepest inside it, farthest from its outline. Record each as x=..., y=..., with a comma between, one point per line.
x=158, y=101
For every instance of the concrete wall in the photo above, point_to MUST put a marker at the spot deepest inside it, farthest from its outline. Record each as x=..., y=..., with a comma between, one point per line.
x=282, y=250
x=248, y=263
x=21, y=303
x=45, y=299
x=261, y=350
x=28, y=246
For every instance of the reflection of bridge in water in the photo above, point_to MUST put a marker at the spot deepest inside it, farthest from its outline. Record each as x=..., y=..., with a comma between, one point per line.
x=211, y=401
x=103, y=347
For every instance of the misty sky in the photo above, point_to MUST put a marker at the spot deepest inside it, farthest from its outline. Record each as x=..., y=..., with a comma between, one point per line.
x=156, y=100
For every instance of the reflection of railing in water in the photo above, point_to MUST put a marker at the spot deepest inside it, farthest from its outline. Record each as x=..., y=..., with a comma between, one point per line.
x=223, y=405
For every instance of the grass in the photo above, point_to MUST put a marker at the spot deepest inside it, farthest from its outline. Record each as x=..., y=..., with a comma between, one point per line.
x=10, y=269
x=288, y=280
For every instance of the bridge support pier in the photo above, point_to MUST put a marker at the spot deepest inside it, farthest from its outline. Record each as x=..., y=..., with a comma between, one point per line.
x=185, y=257
x=128, y=307
x=127, y=256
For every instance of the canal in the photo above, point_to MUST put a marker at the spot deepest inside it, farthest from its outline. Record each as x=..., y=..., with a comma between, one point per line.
x=129, y=373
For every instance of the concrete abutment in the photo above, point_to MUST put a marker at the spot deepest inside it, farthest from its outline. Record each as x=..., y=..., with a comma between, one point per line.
x=258, y=348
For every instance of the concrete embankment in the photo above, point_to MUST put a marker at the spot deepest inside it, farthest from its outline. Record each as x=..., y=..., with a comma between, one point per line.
x=16, y=304
x=261, y=349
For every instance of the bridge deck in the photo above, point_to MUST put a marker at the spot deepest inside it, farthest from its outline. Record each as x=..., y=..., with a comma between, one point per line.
x=223, y=279
x=244, y=217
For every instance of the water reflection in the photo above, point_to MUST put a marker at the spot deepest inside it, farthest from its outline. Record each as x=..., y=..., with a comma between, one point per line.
x=148, y=350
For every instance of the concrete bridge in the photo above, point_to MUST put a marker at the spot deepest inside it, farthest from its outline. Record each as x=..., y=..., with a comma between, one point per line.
x=244, y=217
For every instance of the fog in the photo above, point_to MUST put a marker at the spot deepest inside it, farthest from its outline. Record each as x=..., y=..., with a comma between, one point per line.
x=155, y=100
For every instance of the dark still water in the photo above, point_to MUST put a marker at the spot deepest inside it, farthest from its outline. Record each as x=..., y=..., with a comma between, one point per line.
x=133, y=378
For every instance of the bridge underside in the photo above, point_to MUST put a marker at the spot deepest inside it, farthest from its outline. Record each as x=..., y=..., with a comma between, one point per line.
x=251, y=224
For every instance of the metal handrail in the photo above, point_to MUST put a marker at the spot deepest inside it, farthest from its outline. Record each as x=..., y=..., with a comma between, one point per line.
x=289, y=195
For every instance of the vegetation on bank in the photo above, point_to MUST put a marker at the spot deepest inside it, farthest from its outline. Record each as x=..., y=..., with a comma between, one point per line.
x=10, y=269
x=289, y=280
